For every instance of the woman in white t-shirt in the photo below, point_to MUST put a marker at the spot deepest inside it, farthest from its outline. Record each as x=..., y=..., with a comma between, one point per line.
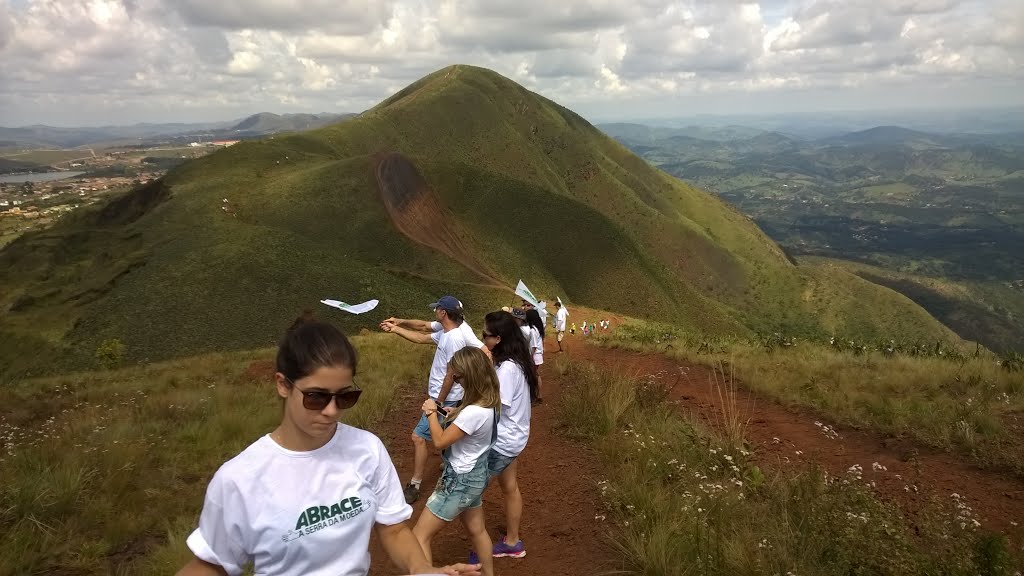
x=518, y=383
x=305, y=498
x=466, y=440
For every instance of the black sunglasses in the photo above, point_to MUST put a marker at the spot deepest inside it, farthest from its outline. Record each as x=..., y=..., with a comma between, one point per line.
x=319, y=399
x=484, y=335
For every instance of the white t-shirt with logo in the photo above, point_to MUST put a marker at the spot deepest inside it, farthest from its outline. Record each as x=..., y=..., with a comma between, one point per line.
x=478, y=424
x=514, y=423
x=448, y=343
x=300, y=512
x=560, y=317
x=471, y=336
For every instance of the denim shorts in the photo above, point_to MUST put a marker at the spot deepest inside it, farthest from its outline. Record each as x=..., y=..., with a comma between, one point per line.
x=422, y=428
x=456, y=492
x=497, y=462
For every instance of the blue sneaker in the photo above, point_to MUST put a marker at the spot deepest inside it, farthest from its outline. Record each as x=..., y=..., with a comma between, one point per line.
x=473, y=558
x=502, y=550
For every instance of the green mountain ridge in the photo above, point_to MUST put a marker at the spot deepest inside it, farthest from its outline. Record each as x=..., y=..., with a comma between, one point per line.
x=225, y=250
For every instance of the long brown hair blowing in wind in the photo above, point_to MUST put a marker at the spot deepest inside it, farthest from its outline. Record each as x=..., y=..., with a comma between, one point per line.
x=474, y=371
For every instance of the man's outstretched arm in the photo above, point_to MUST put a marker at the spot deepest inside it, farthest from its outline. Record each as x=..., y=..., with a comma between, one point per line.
x=410, y=335
x=417, y=325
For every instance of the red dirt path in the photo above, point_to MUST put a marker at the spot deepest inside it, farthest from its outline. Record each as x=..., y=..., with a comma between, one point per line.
x=557, y=479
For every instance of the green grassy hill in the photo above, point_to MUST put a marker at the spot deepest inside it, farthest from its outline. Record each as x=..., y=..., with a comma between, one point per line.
x=223, y=252
x=985, y=311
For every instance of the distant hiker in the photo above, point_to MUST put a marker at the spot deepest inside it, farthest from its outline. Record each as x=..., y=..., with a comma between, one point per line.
x=560, y=317
x=519, y=387
x=466, y=437
x=572, y=329
x=305, y=498
x=440, y=386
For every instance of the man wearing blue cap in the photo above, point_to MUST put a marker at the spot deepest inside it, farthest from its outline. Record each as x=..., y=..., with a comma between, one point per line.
x=449, y=314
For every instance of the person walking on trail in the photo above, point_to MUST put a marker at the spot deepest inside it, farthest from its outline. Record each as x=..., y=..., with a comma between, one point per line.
x=560, y=317
x=519, y=386
x=542, y=311
x=536, y=345
x=305, y=498
x=440, y=386
x=466, y=437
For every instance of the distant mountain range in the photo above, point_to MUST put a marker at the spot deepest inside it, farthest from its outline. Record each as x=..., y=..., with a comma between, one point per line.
x=823, y=124
x=262, y=124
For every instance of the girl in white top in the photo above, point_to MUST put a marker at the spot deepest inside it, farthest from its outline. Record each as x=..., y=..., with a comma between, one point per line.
x=518, y=384
x=466, y=442
x=305, y=498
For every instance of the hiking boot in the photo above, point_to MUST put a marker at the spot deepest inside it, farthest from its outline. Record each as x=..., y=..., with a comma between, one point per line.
x=502, y=550
x=412, y=493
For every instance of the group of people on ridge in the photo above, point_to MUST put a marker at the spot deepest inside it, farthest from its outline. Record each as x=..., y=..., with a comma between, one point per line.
x=305, y=498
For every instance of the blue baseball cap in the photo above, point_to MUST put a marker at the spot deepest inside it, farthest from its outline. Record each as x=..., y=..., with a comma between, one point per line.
x=449, y=303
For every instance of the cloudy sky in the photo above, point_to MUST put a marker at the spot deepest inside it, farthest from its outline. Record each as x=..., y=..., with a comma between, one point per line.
x=87, y=62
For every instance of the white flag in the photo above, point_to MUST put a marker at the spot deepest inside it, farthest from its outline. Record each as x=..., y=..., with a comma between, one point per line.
x=352, y=308
x=523, y=292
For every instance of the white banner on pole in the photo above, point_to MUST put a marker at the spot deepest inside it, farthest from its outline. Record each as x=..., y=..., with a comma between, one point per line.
x=523, y=292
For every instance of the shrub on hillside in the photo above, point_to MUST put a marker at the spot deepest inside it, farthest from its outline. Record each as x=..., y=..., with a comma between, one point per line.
x=111, y=353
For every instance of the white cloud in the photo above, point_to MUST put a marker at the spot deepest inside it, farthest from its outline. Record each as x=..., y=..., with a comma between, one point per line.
x=77, y=61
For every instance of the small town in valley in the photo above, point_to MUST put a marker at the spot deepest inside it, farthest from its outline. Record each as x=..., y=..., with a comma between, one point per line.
x=71, y=179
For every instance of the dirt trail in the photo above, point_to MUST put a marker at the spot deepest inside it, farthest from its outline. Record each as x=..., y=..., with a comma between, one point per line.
x=558, y=482
x=783, y=436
